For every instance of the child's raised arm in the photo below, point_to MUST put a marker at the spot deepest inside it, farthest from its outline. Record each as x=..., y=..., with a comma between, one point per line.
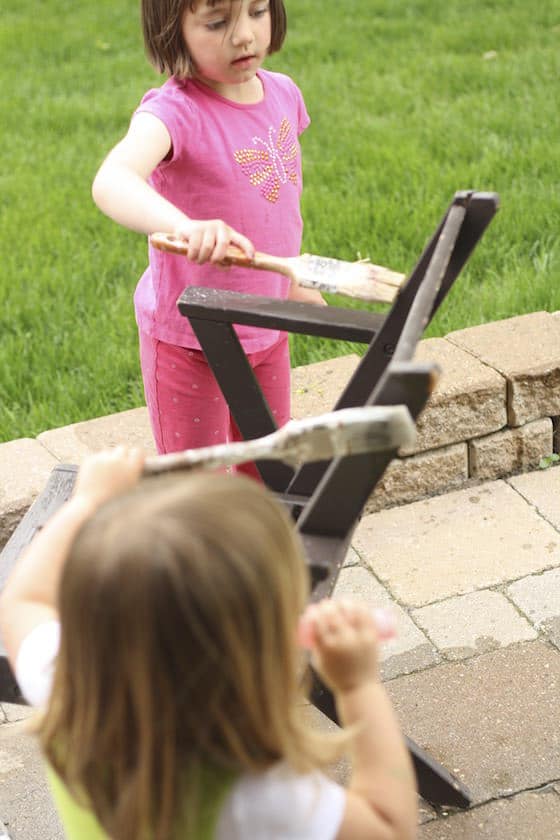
x=121, y=190
x=29, y=597
x=382, y=797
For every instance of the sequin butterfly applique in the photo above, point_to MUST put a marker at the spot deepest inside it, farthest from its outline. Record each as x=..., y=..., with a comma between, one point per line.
x=271, y=163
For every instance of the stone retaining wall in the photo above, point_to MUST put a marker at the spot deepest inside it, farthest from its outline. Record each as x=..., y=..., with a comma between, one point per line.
x=494, y=412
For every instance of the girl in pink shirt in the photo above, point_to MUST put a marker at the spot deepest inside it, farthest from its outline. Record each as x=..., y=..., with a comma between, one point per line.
x=217, y=141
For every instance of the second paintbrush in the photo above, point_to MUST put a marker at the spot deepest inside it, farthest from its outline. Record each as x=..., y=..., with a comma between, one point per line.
x=362, y=280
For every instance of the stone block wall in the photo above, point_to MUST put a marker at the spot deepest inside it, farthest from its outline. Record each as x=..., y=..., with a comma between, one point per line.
x=494, y=412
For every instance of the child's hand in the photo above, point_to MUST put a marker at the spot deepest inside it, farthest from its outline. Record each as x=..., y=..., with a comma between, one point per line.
x=107, y=474
x=208, y=240
x=303, y=295
x=343, y=636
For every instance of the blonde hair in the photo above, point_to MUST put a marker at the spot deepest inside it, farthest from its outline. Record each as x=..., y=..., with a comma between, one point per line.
x=162, y=26
x=179, y=605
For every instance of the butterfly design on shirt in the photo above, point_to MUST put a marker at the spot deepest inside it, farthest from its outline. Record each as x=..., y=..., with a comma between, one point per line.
x=271, y=162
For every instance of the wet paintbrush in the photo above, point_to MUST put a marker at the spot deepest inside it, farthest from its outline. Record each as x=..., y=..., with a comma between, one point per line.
x=349, y=431
x=363, y=280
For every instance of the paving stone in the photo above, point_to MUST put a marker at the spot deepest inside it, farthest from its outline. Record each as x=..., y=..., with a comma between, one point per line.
x=491, y=720
x=541, y=489
x=410, y=650
x=316, y=387
x=510, y=450
x=351, y=558
x=527, y=816
x=526, y=350
x=453, y=544
x=539, y=598
x=71, y=444
x=25, y=467
x=26, y=807
x=16, y=712
x=408, y=479
x=425, y=812
x=469, y=399
x=472, y=624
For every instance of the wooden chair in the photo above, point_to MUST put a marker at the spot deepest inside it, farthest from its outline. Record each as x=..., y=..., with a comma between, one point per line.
x=326, y=499
x=212, y=314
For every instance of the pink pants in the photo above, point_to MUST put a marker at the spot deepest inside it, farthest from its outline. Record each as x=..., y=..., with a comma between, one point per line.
x=185, y=403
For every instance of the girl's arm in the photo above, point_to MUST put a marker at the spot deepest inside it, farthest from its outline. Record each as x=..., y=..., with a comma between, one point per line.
x=30, y=595
x=382, y=797
x=120, y=189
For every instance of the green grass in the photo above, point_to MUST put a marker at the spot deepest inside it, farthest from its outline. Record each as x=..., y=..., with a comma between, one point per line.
x=409, y=102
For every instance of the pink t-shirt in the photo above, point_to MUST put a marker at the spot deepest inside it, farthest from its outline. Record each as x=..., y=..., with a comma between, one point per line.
x=239, y=163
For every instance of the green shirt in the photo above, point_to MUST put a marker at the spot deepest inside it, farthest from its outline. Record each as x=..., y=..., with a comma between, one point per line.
x=81, y=824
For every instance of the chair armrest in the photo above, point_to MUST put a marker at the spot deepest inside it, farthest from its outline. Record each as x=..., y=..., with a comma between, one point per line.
x=230, y=307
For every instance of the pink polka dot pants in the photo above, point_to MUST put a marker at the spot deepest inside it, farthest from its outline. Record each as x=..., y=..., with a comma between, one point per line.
x=186, y=406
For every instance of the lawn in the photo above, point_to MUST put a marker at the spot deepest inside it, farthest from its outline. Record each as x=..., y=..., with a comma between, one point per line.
x=409, y=102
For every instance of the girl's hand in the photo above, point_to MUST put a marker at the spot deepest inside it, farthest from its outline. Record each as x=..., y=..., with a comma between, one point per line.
x=208, y=240
x=107, y=474
x=303, y=295
x=343, y=637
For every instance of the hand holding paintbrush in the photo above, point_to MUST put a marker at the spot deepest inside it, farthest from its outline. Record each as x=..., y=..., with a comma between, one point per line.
x=362, y=280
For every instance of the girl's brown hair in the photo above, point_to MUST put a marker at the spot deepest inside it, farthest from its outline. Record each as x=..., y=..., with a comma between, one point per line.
x=163, y=37
x=179, y=605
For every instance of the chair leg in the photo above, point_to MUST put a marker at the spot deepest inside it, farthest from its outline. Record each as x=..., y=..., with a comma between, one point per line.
x=435, y=784
x=55, y=493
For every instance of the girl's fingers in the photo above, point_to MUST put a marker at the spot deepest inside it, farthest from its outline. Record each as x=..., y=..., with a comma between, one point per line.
x=195, y=241
x=322, y=618
x=208, y=240
x=244, y=243
x=223, y=238
x=136, y=458
x=109, y=472
x=330, y=623
x=207, y=245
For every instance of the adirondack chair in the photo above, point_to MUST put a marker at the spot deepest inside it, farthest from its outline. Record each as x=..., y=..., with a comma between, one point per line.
x=325, y=498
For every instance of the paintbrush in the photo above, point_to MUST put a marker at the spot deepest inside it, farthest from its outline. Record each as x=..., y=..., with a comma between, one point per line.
x=349, y=431
x=362, y=280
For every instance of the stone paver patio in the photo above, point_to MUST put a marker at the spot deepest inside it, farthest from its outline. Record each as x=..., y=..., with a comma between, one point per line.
x=474, y=580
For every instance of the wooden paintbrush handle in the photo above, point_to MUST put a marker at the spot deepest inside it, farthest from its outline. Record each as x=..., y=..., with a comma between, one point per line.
x=170, y=243
x=265, y=262
x=234, y=255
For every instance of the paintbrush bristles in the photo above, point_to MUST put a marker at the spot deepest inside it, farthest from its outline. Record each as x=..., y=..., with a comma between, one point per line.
x=349, y=431
x=362, y=280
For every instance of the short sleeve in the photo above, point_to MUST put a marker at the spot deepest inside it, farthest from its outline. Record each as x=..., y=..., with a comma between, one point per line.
x=303, y=116
x=176, y=111
x=35, y=662
x=280, y=805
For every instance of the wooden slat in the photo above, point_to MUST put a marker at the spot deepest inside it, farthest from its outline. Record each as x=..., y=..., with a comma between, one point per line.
x=221, y=306
x=57, y=490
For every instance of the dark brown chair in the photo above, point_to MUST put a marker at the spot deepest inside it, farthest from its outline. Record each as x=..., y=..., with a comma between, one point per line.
x=326, y=499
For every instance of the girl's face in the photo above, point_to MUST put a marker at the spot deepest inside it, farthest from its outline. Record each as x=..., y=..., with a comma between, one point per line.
x=228, y=41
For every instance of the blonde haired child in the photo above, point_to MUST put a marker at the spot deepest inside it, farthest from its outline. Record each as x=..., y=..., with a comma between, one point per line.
x=157, y=622
x=217, y=141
